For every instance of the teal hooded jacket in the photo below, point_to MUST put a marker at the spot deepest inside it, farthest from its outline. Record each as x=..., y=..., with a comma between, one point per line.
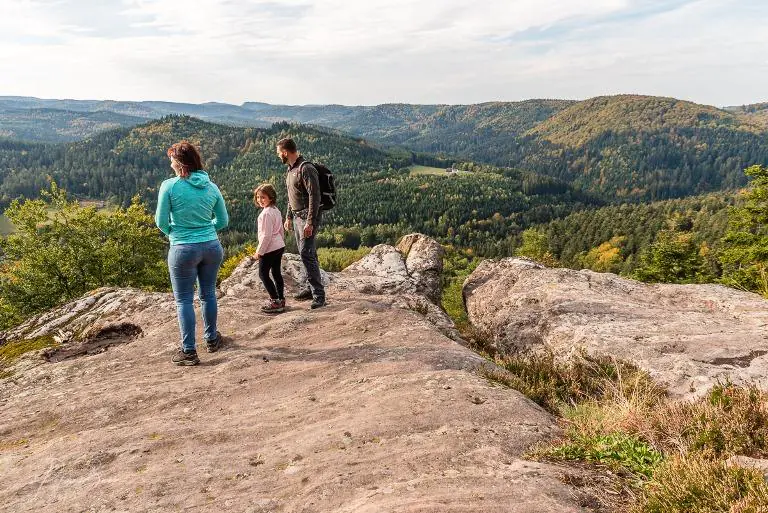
x=190, y=210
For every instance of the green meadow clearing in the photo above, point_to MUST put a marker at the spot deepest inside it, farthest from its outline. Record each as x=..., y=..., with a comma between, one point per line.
x=426, y=170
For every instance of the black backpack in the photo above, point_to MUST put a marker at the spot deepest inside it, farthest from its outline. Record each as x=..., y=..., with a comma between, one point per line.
x=327, y=185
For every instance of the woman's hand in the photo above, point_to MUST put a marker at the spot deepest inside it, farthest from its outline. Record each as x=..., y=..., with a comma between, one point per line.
x=288, y=225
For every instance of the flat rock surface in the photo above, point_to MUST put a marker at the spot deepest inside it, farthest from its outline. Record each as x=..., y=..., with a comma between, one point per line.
x=687, y=336
x=361, y=406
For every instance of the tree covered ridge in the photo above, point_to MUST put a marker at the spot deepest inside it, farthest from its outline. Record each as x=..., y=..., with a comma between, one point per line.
x=379, y=198
x=628, y=147
x=756, y=113
x=57, y=125
x=579, y=123
x=124, y=162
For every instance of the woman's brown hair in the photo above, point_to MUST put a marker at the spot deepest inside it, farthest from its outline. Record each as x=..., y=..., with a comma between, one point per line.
x=268, y=190
x=187, y=156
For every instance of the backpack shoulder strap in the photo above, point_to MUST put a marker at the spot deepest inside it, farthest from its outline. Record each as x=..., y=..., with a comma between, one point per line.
x=301, y=166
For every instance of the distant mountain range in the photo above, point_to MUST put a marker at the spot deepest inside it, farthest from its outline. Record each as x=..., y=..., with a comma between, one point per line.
x=626, y=146
x=390, y=123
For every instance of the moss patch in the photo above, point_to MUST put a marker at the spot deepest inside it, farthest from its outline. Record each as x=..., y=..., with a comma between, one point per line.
x=12, y=351
x=13, y=444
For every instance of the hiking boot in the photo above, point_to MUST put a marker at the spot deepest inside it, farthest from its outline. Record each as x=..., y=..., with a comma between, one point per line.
x=215, y=344
x=304, y=295
x=317, y=303
x=274, y=306
x=184, y=358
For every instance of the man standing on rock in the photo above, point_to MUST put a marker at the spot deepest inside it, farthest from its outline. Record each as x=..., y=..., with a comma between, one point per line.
x=304, y=216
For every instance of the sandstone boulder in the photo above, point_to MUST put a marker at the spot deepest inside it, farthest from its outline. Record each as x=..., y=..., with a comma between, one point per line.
x=688, y=336
x=424, y=261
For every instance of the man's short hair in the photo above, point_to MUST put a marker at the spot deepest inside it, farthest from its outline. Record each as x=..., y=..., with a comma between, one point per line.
x=288, y=145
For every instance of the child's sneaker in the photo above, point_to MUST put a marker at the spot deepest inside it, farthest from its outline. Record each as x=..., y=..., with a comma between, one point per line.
x=274, y=306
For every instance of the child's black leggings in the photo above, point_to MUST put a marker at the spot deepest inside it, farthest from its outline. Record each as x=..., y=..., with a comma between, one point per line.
x=270, y=262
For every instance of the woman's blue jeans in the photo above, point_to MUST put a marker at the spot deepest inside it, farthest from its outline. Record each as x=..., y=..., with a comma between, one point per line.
x=187, y=264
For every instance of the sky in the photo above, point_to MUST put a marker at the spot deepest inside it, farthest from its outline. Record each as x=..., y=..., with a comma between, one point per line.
x=367, y=52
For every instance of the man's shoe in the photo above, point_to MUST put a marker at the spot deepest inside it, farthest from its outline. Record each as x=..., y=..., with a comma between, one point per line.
x=274, y=306
x=317, y=303
x=304, y=295
x=184, y=358
x=215, y=344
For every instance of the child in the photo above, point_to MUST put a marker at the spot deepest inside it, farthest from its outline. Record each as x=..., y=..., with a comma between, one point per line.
x=271, y=247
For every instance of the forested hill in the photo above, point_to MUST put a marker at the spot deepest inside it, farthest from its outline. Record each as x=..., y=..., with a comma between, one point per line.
x=632, y=229
x=427, y=128
x=645, y=147
x=60, y=125
x=381, y=195
x=451, y=129
x=756, y=113
x=626, y=147
x=584, y=121
x=118, y=164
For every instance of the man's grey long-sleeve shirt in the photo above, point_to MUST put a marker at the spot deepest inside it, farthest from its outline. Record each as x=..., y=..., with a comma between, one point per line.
x=303, y=190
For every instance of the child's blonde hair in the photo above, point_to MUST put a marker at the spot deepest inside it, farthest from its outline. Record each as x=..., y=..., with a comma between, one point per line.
x=268, y=190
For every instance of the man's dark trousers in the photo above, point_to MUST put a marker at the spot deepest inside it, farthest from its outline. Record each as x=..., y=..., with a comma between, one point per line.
x=308, y=253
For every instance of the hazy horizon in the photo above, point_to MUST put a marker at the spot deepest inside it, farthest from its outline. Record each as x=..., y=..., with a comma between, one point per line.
x=209, y=102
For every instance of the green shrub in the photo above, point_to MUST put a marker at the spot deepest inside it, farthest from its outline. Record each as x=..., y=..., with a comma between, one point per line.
x=230, y=264
x=730, y=420
x=675, y=257
x=61, y=250
x=457, y=265
x=9, y=315
x=557, y=384
x=638, y=431
x=452, y=302
x=700, y=485
x=744, y=254
x=338, y=259
x=535, y=245
x=619, y=451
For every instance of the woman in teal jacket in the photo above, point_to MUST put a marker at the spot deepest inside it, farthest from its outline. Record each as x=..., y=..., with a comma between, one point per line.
x=190, y=210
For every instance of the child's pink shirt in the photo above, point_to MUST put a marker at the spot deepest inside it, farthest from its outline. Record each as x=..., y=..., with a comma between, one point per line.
x=270, y=226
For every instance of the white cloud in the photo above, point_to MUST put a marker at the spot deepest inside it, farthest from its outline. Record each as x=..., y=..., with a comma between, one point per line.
x=341, y=51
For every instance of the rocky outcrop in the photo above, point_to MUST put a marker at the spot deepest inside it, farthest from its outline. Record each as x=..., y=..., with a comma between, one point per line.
x=688, y=336
x=246, y=275
x=424, y=262
x=406, y=276
x=413, y=267
x=360, y=406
